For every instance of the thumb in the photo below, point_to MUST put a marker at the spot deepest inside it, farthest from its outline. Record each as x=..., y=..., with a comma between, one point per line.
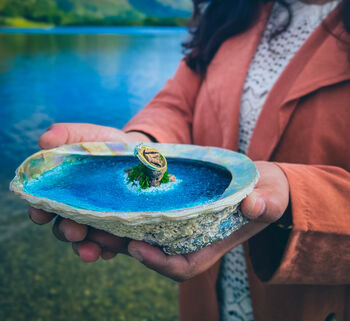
x=70, y=133
x=253, y=206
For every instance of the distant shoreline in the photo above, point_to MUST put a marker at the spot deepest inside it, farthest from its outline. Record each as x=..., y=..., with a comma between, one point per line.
x=119, y=30
x=20, y=22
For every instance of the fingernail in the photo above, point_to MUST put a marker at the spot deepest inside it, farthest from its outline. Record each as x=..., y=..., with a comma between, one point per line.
x=262, y=206
x=253, y=198
x=257, y=207
x=135, y=253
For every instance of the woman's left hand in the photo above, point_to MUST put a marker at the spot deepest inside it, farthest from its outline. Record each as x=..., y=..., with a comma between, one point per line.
x=265, y=205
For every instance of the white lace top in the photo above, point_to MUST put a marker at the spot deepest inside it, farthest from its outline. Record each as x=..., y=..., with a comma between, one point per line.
x=270, y=59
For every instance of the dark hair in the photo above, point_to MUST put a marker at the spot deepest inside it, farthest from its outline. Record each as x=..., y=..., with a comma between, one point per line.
x=215, y=21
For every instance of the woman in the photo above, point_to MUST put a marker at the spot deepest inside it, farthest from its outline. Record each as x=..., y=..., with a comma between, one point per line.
x=272, y=81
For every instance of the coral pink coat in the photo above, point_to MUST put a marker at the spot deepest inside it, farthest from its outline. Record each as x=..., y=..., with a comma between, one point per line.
x=304, y=126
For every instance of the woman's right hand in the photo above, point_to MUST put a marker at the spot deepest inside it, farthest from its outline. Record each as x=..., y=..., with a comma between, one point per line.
x=87, y=242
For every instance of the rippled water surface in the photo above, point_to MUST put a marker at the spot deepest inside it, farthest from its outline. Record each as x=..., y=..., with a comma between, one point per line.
x=99, y=75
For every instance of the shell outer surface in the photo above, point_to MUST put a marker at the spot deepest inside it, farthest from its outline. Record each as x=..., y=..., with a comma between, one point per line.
x=176, y=231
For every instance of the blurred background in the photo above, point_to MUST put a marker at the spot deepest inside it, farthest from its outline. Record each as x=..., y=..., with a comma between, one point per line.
x=97, y=61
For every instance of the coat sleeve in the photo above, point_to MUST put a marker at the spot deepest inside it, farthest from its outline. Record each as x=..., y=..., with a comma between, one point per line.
x=168, y=117
x=317, y=249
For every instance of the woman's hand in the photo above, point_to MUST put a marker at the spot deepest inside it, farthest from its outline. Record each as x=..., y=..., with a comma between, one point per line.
x=60, y=134
x=95, y=242
x=266, y=204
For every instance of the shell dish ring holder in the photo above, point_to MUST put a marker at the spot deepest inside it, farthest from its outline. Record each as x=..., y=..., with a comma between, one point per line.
x=86, y=182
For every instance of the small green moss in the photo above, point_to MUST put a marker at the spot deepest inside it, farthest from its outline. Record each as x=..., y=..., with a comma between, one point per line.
x=138, y=173
x=165, y=179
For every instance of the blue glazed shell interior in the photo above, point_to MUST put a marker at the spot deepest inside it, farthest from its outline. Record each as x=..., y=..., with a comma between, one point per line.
x=88, y=179
x=99, y=183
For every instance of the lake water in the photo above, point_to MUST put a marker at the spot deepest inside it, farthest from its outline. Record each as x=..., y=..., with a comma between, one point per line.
x=97, y=75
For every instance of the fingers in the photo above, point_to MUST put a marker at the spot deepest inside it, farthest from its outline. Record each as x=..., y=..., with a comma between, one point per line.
x=263, y=206
x=40, y=217
x=89, y=246
x=70, y=133
x=73, y=231
x=107, y=255
x=67, y=230
x=99, y=244
x=56, y=231
x=108, y=242
x=254, y=205
x=270, y=198
x=88, y=251
x=56, y=135
x=184, y=267
x=176, y=266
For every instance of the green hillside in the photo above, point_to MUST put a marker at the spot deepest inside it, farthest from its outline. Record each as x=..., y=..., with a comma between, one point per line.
x=93, y=12
x=164, y=9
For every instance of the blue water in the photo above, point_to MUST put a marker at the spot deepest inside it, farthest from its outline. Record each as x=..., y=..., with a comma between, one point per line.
x=96, y=75
x=98, y=183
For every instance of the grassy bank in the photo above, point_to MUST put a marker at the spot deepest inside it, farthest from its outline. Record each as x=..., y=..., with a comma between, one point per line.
x=19, y=22
x=43, y=13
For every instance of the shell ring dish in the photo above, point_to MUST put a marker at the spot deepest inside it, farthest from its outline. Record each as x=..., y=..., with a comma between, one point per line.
x=180, y=198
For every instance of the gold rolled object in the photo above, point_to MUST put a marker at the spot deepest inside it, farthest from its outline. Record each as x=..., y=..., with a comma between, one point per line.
x=154, y=161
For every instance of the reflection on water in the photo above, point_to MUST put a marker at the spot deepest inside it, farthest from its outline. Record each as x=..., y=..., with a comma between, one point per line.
x=100, y=78
x=103, y=76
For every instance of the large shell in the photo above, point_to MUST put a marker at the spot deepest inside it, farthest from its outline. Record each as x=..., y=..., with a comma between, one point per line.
x=175, y=231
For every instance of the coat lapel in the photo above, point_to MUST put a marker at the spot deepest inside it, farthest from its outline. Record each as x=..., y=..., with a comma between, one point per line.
x=320, y=62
